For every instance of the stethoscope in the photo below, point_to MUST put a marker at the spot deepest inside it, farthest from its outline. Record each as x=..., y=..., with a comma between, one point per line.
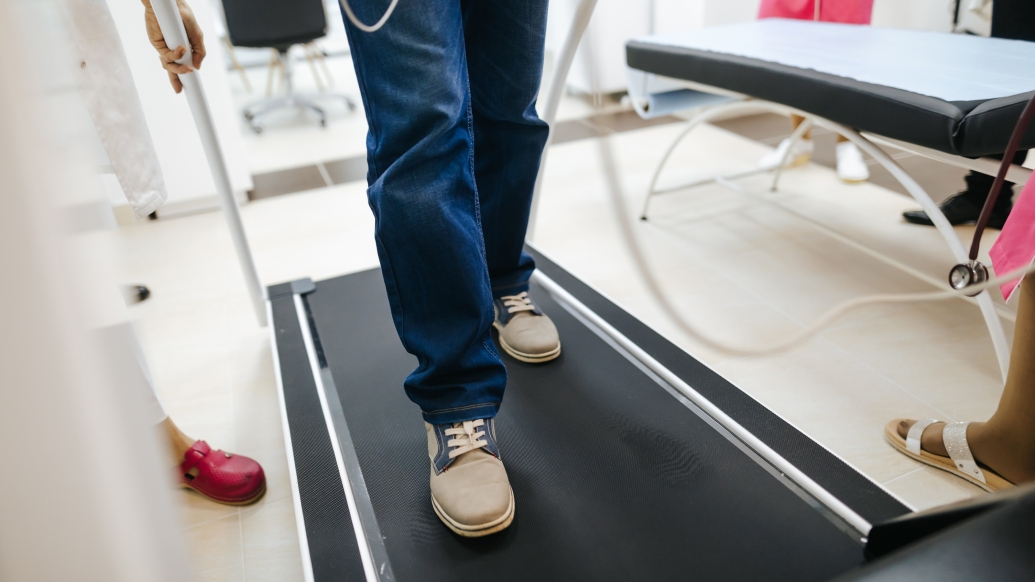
x=973, y=272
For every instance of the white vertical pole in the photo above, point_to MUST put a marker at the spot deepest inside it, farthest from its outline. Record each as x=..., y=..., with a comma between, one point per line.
x=583, y=13
x=176, y=36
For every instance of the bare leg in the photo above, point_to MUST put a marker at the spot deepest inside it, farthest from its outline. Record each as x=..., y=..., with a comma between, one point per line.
x=178, y=443
x=1006, y=443
x=797, y=120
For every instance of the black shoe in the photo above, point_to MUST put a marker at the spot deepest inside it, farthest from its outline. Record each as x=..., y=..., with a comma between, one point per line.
x=959, y=210
x=135, y=293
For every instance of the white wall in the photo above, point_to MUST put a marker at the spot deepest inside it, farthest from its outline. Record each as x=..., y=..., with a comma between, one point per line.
x=176, y=140
x=674, y=15
x=727, y=11
x=614, y=22
x=617, y=21
x=933, y=15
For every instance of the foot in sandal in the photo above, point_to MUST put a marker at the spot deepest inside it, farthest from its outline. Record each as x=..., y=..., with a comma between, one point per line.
x=995, y=454
x=949, y=447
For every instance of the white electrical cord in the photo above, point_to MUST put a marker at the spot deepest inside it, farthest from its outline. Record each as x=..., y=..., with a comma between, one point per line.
x=639, y=259
x=367, y=28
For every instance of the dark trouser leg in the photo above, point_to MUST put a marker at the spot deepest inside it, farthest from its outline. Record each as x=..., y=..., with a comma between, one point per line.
x=504, y=42
x=1013, y=19
x=420, y=153
x=979, y=185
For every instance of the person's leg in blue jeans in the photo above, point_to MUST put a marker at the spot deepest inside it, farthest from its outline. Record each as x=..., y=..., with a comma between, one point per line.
x=504, y=71
x=423, y=174
x=420, y=155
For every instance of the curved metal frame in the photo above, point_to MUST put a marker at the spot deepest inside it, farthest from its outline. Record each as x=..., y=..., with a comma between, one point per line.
x=984, y=300
x=708, y=114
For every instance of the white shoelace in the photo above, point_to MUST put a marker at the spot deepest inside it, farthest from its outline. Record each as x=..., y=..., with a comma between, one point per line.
x=466, y=437
x=518, y=303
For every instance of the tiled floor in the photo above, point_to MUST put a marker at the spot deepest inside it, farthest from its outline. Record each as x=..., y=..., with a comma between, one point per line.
x=212, y=362
x=743, y=269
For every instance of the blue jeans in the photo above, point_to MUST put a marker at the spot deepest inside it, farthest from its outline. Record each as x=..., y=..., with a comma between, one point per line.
x=453, y=148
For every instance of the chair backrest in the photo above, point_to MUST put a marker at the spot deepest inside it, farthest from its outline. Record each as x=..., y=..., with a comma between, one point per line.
x=274, y=23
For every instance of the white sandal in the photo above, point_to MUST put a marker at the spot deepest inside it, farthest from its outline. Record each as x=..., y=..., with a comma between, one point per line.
x=960, y=461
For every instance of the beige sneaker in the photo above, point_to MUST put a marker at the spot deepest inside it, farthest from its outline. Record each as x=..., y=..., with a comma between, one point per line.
x=470, y=491
x=526, y=333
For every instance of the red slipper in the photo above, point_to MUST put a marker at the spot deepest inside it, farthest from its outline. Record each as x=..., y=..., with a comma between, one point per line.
x=222, y=477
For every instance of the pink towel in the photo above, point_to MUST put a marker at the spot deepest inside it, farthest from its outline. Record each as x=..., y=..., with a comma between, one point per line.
x=1015, y=247
x=846, y=11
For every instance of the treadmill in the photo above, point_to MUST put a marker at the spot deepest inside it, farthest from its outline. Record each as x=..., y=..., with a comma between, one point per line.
x=629, y=458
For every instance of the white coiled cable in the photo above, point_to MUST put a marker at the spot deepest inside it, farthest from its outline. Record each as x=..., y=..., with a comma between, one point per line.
x=826, y=320
x=364, y=27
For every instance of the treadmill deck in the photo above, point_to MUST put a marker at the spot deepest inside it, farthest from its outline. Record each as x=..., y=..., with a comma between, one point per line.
x=616, y=476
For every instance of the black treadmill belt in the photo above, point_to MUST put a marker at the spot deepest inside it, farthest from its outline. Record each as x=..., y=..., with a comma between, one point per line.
x=614, y=479
x=845, y=483
x=329, y=533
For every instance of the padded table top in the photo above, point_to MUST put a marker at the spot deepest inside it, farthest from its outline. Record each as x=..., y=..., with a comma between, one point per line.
x=954, y=93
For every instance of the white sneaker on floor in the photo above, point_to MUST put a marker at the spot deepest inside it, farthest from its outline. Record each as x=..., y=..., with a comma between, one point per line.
x=800, y=154
x=850, y=164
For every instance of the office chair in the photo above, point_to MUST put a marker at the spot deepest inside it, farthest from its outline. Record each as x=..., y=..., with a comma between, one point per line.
x=278, y=24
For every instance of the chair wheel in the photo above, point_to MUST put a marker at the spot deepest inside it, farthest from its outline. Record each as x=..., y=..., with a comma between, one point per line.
x=257, y=129
x=323, y=122
x=248, y=116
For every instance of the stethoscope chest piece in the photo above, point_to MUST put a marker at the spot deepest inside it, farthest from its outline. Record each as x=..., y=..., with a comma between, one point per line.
x=965, y=275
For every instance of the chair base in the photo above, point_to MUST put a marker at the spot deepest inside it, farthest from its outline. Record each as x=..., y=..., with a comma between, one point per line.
x=254, y=112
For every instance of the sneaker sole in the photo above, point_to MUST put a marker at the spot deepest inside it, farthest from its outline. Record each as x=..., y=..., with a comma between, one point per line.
x=791, y=163
x=476, y=531
x=852, y=180
x=522, y=356
x=799, y=161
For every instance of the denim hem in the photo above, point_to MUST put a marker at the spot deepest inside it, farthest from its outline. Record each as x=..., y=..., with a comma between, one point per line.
x=461, y=413
x=513, y=289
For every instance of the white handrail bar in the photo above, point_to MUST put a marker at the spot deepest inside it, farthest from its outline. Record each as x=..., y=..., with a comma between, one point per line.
x=176, y=36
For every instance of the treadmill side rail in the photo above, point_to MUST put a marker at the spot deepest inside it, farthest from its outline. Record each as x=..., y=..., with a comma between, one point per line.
x=794, y=473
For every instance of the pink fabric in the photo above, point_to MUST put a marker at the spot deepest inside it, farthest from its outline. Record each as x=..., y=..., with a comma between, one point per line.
x=1015, y=247
x=845, y=11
